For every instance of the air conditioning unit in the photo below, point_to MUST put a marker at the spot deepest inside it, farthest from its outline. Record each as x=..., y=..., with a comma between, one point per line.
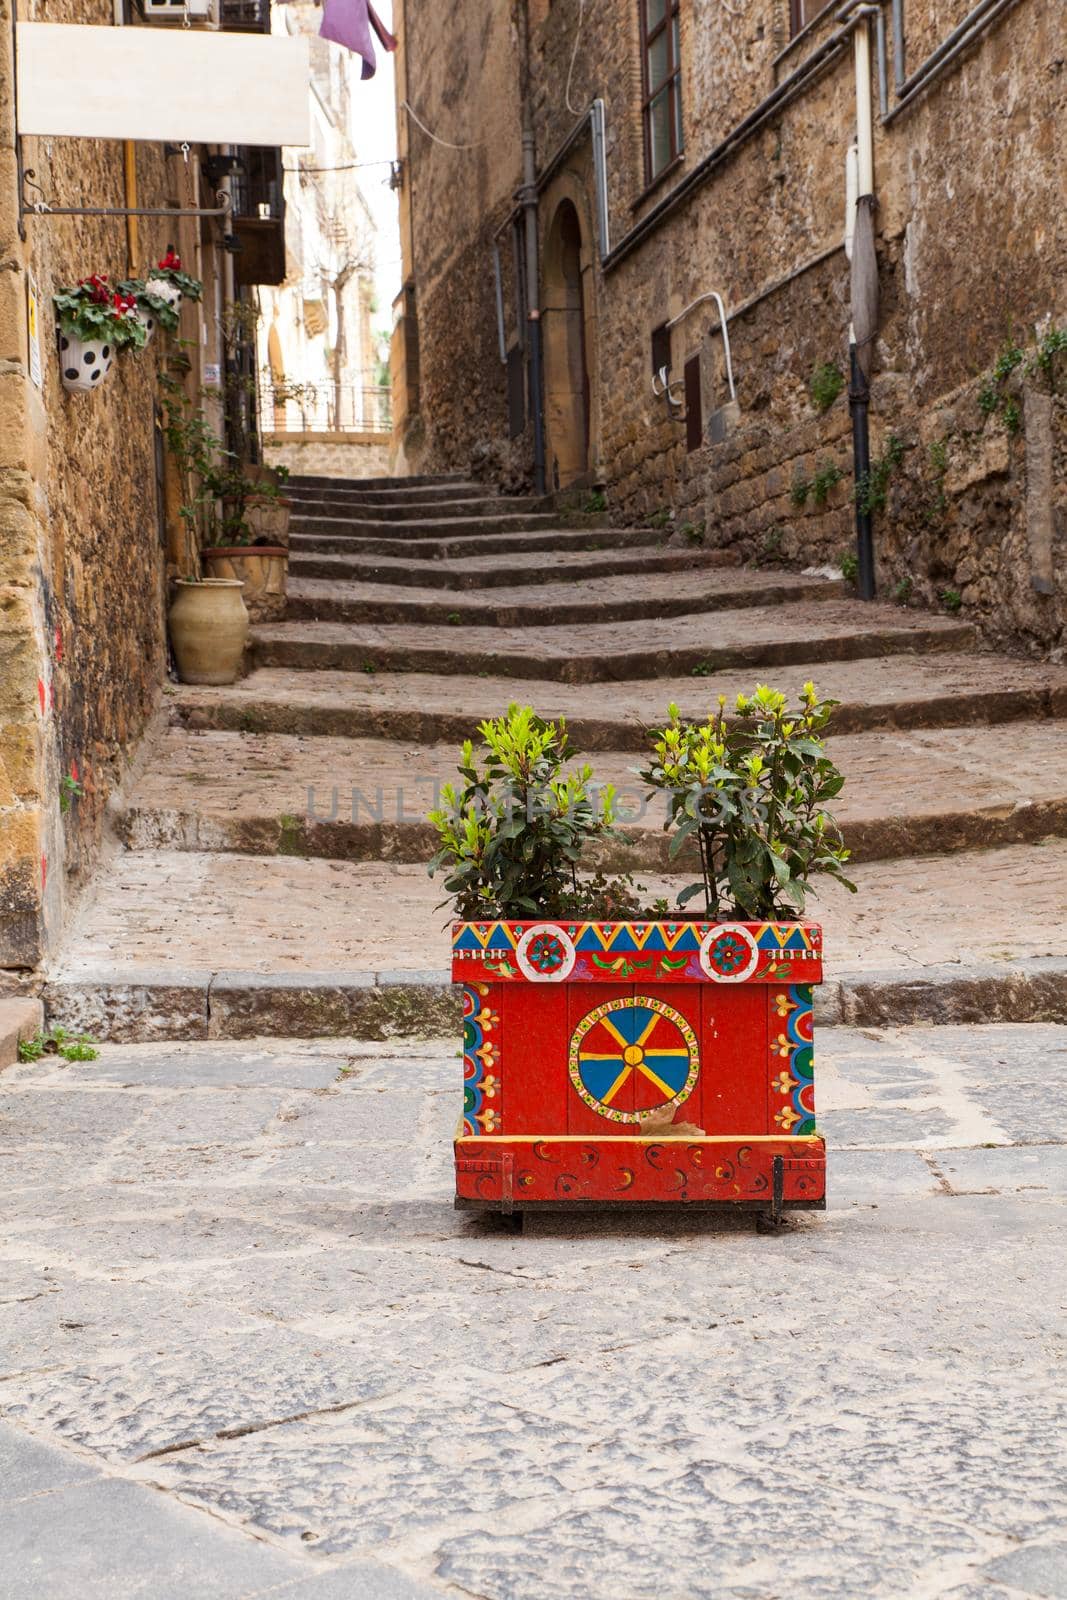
x=182, y=13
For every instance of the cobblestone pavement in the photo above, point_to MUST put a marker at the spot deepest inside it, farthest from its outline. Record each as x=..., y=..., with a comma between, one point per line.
x=248, y=1348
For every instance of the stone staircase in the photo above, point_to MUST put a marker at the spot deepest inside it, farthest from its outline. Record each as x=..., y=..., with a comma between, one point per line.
x=267, y=874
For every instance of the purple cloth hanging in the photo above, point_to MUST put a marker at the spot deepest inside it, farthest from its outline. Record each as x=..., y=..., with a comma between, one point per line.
x=349, y=22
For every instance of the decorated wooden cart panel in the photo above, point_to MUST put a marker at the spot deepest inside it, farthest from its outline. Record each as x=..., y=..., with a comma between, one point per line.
x=632, y=1062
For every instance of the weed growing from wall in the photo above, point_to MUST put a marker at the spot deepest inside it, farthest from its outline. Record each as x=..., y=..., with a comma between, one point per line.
x=827, y=382
x=873, y=485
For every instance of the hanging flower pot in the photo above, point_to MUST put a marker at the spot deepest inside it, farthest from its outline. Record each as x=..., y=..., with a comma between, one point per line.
x=94, y=323
x=169, y=281
x=156, y=303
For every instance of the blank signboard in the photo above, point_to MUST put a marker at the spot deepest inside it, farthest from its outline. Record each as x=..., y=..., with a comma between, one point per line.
x=166, y=84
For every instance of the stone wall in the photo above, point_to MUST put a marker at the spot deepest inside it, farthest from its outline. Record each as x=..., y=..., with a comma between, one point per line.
x=971, y=236
x=82, y=552
x=329, y=455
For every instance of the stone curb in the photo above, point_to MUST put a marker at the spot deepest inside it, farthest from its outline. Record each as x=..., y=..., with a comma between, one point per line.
x=150, y=1006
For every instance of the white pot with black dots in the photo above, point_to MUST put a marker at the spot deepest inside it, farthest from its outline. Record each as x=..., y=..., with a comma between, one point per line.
x=84, y=363
x=163, y=289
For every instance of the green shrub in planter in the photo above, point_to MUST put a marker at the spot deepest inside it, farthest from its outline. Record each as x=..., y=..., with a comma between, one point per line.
x=511, y=835
x=753, y=791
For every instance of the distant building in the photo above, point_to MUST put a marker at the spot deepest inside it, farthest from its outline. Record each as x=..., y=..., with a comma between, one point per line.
x=320, y=367
x=680, y=149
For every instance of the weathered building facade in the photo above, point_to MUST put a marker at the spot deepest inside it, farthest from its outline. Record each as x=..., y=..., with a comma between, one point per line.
x=89, y=525
x=682, y=149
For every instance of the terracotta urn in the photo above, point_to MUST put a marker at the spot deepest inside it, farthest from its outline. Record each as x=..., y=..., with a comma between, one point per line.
x=208, y=629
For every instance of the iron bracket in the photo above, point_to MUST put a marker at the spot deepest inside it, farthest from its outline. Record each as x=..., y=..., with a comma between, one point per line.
x=29, y=207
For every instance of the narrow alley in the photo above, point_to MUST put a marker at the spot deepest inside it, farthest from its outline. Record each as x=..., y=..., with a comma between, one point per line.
x=533, y=800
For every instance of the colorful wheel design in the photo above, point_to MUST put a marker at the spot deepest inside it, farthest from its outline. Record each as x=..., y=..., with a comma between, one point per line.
x=633, y=1056
x=729, y=953
x=545, y=953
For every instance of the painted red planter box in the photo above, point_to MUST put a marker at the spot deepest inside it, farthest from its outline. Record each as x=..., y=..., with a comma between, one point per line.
x=631, y=1063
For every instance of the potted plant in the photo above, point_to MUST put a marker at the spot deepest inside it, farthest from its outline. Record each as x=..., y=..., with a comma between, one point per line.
x=94, y=322
x=215, y=508
x=240, y=542
x=267, y=507
x=208, y=619
x=619, y=1056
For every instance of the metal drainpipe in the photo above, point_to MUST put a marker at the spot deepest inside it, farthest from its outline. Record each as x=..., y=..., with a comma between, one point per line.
x=859, y=394
x=859, y=397
x=528, y=200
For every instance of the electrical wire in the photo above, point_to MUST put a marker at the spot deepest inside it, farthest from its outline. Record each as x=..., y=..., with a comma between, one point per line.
x=447, y=143
x=349, y=166
x=574, y=110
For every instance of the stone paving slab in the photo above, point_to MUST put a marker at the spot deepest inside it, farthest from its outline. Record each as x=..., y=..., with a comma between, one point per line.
x=364, y=945
x=509, y=571
x=393, y=1399
x=367, y=799
x=577, y=600
x=901, y=691
x=106, y=1539
x=600, y=652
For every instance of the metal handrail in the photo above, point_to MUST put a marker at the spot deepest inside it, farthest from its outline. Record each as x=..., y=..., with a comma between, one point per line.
x=326, y=407
x=700, y=300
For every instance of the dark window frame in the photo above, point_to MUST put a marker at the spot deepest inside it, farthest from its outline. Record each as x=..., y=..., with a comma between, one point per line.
x=799, y=20
x=671, y=83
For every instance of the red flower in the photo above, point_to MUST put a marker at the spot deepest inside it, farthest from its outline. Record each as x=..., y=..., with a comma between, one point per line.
x=172, y=261
x=98, y=290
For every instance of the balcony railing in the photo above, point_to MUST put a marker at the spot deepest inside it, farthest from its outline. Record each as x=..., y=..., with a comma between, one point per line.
x=325, y=407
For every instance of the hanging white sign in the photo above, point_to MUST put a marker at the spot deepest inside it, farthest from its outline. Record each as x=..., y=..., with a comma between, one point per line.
x=176, y=84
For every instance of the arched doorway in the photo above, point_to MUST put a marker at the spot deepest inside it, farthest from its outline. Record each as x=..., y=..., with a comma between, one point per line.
x=567, y=397
x=276, y=362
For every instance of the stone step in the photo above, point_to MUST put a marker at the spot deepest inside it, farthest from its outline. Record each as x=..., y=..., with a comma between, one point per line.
x=823, y=630
x=225, y=946
x=444, y=483
x=21, y=1017
x=367, y=799
x=503, y=572
x=356, y=525
x=902, y=691
x=606, y=599
x=388, y=510
x=588, y=536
